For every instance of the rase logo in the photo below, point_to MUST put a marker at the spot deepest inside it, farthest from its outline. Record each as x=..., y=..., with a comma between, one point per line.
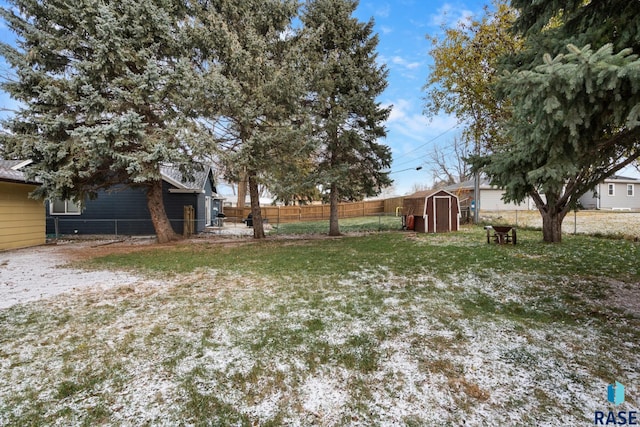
x=615, y=395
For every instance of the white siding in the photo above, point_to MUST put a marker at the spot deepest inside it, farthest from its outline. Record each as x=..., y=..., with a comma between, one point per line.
x=491, y=200
x=620, y=199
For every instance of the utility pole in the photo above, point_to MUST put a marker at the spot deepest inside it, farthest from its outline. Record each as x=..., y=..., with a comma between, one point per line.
x=476, y=197
x=476, y=179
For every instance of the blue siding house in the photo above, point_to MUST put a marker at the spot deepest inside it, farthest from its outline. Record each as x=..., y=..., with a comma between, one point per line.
x=123, y=210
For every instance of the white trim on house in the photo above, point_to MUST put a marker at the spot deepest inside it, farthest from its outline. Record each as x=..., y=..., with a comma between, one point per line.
x=21, y=165
x=52, y=206
x=207, y=211
x=174, y=182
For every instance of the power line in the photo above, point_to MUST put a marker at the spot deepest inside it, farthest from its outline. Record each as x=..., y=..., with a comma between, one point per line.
x=425, y=144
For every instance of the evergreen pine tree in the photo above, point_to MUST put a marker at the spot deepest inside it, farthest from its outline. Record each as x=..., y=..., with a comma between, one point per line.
x=106, y=92
x=349, y=121
x=576, y=108
x=261, y=80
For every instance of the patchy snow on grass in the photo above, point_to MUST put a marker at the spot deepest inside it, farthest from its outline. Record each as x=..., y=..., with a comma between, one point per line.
x=370, y=348
x=324, y=396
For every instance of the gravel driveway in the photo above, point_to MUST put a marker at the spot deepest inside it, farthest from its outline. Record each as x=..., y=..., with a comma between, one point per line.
x=34, y=273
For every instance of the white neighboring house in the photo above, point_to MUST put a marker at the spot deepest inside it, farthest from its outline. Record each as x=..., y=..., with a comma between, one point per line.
x=614, y=193
x=490, y=196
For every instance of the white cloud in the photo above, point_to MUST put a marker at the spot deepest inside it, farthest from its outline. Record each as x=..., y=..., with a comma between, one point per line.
x=406, y=119
x=450, y=16
x=386, y=30
x=398, y=60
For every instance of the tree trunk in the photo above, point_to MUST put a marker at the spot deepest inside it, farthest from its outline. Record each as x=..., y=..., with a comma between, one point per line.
x=334, y=226
x=242, y=190
x=258, y=228
x=552, y=224
x=551, y=228
x=552, y=213
x=161, y=224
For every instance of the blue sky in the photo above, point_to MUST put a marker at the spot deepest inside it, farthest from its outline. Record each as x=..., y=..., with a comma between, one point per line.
x=402, y=26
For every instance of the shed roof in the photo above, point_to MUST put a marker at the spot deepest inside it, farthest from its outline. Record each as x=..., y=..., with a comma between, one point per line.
x=427, y=193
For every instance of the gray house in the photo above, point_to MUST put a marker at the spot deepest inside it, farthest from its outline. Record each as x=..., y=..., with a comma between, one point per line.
x=614, y=193
x=123, y=210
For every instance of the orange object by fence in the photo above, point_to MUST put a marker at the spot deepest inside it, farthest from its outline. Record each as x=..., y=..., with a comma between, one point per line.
x=410, y=222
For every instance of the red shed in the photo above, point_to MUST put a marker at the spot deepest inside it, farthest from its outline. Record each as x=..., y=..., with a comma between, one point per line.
x=432, y=211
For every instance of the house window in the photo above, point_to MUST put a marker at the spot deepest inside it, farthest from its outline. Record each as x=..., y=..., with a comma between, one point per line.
x=64, y=207
x=612, y=189
x=630, y=190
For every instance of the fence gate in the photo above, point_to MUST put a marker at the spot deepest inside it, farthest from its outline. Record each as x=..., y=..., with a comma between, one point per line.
x=189, y=220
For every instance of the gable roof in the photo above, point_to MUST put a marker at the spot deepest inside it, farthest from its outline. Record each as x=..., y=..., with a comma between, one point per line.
x=621, y=179
x=470, y=185
x=10, y=171
x=485, y=184
x=428, y=193
x=172, y=175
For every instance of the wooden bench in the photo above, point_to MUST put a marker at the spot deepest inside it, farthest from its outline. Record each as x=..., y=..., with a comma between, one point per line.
x=502, y=234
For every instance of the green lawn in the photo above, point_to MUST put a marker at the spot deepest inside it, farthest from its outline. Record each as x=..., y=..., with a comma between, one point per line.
x=384, y=328
x=347, y=225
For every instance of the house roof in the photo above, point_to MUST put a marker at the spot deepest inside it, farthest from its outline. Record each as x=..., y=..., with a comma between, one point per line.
x=485, y=184
x=10, y=171
x=619, y=178
x=470, y=185
x=172, y=175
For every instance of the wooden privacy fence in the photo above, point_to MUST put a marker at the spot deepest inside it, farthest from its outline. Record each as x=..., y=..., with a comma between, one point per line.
x=284, y=214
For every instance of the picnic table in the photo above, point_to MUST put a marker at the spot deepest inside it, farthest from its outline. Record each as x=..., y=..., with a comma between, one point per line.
x=502, y=234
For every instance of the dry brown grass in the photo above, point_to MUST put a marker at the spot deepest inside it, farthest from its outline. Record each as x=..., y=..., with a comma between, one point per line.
x=584, y=222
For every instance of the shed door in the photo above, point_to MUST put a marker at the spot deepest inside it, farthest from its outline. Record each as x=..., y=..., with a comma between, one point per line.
x=443, y=208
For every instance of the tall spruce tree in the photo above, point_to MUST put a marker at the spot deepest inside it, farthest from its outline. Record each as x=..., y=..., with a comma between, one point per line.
x=576, y=108
x=262, y=82
x=349, y=121
x=106, y=90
